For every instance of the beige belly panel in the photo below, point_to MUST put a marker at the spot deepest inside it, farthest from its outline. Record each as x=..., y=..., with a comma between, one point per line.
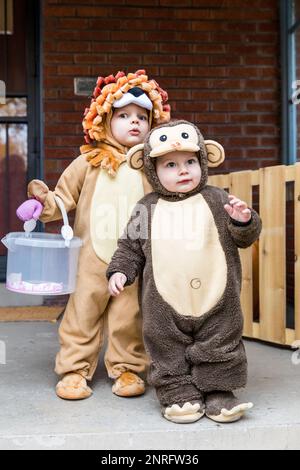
x=112, y=203
x=189, y=263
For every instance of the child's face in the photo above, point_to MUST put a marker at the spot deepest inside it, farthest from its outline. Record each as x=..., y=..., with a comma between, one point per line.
x=129, y=125
x=178, y=172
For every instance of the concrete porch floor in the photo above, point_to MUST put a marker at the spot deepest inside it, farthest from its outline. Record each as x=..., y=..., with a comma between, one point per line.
x=32, y=417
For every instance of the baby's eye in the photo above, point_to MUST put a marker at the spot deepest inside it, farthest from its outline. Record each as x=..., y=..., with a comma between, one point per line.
x=191, y=161
x=142, y=117
x=163, y=138
x=171, y=164
x=123, y=115
x=185, y=135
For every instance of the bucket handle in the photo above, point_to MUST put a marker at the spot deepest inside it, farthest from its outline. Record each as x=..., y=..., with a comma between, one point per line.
x=66, y=230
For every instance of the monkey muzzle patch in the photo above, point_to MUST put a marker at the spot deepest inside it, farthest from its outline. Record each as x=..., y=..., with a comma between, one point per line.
x=172, y=146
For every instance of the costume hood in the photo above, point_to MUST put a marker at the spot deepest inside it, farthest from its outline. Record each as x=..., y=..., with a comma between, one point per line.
x=176, y=135
x=101, y=148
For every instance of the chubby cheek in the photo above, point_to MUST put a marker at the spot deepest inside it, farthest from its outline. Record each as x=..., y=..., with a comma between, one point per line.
x=168, y=180
x=144, y=130
x=196, y=174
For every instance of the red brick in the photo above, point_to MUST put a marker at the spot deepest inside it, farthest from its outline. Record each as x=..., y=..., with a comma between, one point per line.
x=192, y=36
x=73, y=23
x=244, y=118
x=208, y=95
x=175, y=48
x=108, y=24
x=227, y=106
x=166, y=13
x=225, y=60
x=126, y=12
x=194, y=106
x=209, y=48
x=73, y=46
x=211, y=117
x=192, y=59
x=228, y=83
x=89, y=58
x=159, y=59
x=126, y=36
x=73, y=70
x=58, y=11
x=124, y=59
x=194, y=82
x=91, y=12
x=58, y=58
x=194, y=14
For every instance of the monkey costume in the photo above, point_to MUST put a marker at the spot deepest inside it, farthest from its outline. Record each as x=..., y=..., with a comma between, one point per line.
x=97, y=180
x=190, y=281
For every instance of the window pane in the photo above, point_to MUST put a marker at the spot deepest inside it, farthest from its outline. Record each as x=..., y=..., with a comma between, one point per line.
x=17, y=172
x=2, y=185
x=13, y=176
x=297, y=65
x=6, y=16
x=14, y=107
x=13, y=63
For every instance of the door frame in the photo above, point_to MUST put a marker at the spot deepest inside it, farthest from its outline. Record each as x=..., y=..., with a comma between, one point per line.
x=34, y=99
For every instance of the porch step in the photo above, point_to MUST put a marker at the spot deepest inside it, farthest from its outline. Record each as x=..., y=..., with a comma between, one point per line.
x=32, y=417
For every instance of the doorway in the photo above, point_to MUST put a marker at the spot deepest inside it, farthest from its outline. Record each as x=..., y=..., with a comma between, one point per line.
x=20, y=129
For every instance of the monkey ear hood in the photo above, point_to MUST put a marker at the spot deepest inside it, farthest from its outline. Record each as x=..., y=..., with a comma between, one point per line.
x=176, y=135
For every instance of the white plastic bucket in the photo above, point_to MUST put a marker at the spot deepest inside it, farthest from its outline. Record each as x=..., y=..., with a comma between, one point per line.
x=42, y=263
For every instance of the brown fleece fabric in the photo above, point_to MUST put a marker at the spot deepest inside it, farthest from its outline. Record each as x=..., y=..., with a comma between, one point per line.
x=204, y=351
x=216, y=401
x=189, y=355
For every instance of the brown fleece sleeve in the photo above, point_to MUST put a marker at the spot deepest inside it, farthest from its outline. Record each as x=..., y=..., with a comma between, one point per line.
x=68, y=188
x=244, y=235
x=129, y=257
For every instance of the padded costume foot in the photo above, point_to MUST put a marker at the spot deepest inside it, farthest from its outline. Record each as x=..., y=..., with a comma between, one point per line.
x=188, y=413
x=128, y=385
x=73, y=387
x=224, y=407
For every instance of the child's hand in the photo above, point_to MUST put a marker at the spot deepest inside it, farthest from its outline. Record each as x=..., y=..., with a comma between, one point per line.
x=116, y=284
x=237, y=209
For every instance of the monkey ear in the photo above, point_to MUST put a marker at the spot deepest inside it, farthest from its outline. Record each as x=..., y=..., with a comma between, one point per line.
x=215, y=153
x=135, y=157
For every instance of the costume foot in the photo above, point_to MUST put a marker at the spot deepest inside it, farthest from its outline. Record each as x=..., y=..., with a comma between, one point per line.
x=73, y=387
x=224, y=407
x=128, y=385
x=188, y=413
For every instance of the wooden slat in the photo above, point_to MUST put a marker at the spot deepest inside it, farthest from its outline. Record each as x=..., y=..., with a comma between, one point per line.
x=256, y=330
x=297, y=251
x=272, y=275
x=289, y=336
x=255, y=178
x=221, y=181
x=240, y=186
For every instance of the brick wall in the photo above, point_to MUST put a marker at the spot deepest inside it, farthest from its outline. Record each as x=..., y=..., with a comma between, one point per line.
x=218, y=59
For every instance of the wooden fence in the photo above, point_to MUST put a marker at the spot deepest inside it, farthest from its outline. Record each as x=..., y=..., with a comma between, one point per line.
x=271, y=284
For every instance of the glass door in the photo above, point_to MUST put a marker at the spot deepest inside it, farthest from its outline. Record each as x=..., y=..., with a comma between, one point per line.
x=19, y=115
